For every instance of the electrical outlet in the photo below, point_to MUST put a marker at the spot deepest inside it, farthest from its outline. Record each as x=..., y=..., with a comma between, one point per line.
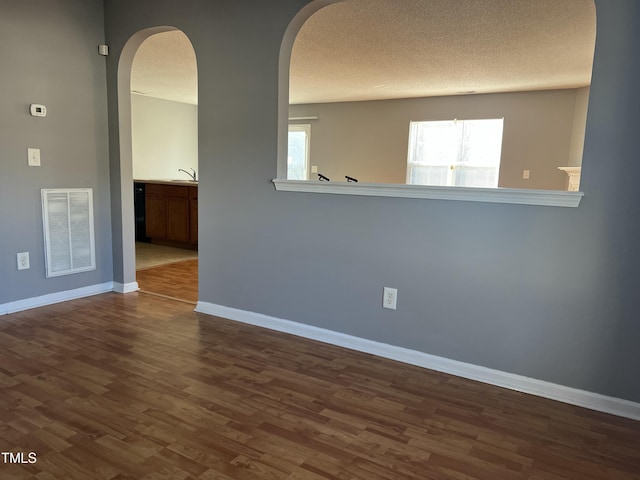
x=525, y=174
x=389, y=298
x=23, y=260
x=314, y=169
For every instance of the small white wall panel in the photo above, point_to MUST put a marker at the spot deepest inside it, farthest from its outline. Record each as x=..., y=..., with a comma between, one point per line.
x=69, y=239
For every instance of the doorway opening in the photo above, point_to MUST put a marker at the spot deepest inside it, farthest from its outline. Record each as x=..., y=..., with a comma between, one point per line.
x=161, y=145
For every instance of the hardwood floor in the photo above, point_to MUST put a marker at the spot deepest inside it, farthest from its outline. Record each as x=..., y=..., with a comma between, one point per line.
x=140, y=387
x=178, y=280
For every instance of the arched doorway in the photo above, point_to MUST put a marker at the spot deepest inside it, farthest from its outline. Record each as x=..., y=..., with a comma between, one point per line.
x=157, y=90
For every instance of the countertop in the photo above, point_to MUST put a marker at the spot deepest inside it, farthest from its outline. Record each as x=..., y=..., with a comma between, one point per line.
x=190, y=183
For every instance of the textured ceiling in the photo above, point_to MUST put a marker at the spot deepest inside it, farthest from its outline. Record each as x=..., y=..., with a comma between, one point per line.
x=375, y=49
x=165, y=67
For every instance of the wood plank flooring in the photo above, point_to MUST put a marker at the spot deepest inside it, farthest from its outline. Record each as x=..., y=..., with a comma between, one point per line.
x=122, y=387
x=178, y=280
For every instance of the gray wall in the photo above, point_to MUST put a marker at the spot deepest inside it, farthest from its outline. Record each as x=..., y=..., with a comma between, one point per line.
x=48, y=55
x=368, y=140
x=545, y=292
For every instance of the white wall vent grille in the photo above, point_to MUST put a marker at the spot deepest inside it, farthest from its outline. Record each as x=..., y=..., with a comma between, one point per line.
x=69, y=239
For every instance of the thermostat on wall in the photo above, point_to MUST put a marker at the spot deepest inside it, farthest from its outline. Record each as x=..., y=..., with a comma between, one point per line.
x=38, y=110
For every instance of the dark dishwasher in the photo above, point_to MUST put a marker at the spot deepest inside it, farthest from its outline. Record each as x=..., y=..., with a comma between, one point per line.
x=138, y=207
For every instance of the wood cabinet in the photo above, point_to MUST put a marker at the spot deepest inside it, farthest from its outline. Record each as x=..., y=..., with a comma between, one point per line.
x=193, y=215
x=155, y=210
x=172, y=213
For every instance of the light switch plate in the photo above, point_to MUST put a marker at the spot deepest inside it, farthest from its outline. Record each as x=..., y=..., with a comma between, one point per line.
x=33, y=155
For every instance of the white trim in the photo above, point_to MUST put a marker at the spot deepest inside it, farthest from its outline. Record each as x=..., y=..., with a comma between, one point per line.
x=51, y=298
x=468, y=194
x=572, y=396
x=125, y=287
x=573, y=177
x=571, y=170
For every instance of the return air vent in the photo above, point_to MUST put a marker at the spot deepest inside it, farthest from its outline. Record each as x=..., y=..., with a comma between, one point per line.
x=69, y=241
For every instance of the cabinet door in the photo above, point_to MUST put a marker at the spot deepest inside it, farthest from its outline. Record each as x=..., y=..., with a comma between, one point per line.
x=156, y=213
x=178, y=219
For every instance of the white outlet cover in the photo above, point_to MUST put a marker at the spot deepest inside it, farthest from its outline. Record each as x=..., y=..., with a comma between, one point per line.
x=23, y=260
x=390, y=298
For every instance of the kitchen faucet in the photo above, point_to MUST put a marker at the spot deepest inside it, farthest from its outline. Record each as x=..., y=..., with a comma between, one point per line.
x=192, y=175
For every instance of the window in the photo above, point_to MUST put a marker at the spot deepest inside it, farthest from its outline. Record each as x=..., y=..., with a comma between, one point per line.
x=461, y=153
x=298, y=156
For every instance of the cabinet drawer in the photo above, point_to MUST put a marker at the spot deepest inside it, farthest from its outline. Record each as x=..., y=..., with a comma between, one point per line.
x=168, y=190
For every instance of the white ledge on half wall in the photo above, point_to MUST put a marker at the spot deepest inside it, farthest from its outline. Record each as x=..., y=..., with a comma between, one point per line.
x=549, y=198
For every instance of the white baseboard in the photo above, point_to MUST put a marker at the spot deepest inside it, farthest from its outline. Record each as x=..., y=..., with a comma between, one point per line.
x=125, y=287
x=50, y=299
x=66, y=295
x=572, y=396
